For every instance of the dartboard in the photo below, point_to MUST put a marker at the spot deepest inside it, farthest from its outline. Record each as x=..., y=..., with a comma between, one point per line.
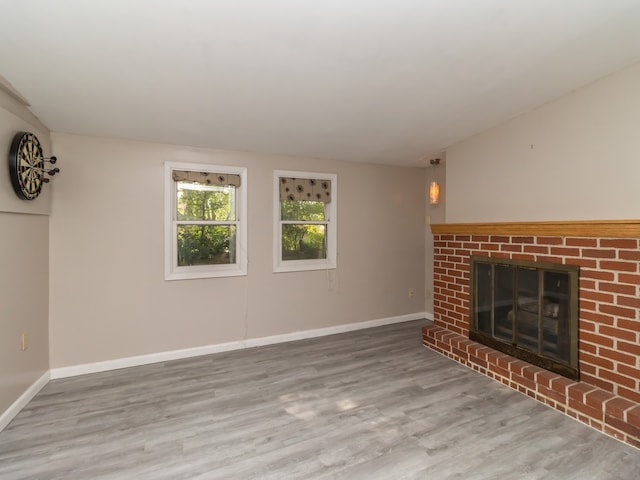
x=26, y=165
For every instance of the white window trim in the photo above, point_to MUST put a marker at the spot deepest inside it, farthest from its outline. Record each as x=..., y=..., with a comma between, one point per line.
x=328, y=263
x=171, y=270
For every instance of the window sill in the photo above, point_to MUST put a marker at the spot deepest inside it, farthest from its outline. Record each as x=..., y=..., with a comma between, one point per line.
x=190, y=273
x=303, y=265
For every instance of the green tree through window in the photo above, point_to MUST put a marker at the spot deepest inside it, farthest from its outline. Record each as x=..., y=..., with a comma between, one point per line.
x=205, y=230
x=203, y=237
x=302, y=240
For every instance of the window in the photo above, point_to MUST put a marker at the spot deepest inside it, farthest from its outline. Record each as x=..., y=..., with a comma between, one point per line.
x=305, y=221
x=205, y=226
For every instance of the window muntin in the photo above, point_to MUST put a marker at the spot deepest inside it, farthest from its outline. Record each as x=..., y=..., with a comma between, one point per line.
x=305, y=221
x=206, y=212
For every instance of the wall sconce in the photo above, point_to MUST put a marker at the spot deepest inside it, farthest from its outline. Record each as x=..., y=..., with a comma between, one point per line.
x=434, y=186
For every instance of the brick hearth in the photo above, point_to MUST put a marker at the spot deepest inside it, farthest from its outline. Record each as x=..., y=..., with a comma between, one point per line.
x=607, y=397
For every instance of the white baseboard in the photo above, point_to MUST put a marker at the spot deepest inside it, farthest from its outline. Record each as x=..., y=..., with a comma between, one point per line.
x=74, y=370
x=83, y=369
x=321, y=332
x=10, y=413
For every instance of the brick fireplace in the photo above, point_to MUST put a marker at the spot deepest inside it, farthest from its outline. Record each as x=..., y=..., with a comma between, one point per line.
x=607, y=396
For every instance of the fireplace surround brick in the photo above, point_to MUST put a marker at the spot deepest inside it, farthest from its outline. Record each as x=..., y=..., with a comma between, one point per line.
x=607, y=397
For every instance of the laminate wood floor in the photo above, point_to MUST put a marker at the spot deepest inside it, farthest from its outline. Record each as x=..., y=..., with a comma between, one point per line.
x=371, y=404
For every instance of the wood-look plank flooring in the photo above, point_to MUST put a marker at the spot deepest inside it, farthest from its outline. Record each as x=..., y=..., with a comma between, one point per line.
x=371, y=404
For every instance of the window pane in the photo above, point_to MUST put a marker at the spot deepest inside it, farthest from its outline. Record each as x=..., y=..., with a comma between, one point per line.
x=206, y=244
x=197, y=201
x=304, y=242
x=302, y=210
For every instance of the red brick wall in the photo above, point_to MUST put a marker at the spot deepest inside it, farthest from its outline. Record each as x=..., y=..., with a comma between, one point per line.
x=609, y=319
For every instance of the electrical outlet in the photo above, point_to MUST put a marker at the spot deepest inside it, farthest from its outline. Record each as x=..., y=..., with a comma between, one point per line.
x=428, y=294
x=412, y=292
x=24, y=342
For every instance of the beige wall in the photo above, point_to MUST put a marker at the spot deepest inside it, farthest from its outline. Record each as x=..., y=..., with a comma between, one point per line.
x=24, y=267
x=24, y=295
x=573, y=159
x=108, y=296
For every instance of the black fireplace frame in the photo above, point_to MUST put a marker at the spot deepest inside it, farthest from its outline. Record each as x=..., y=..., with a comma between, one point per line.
x=569, y=367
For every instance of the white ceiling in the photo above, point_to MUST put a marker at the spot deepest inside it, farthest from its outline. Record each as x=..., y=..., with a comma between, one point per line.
x=383, y=81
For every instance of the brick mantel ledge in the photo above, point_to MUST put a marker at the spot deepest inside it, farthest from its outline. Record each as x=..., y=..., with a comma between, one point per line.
x=579, y=228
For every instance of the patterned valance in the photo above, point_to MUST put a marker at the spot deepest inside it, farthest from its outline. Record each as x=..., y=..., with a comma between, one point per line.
x=310, y=189
x=207, y=178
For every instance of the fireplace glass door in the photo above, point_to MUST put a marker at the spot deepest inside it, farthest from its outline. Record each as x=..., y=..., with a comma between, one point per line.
x=528, y=310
